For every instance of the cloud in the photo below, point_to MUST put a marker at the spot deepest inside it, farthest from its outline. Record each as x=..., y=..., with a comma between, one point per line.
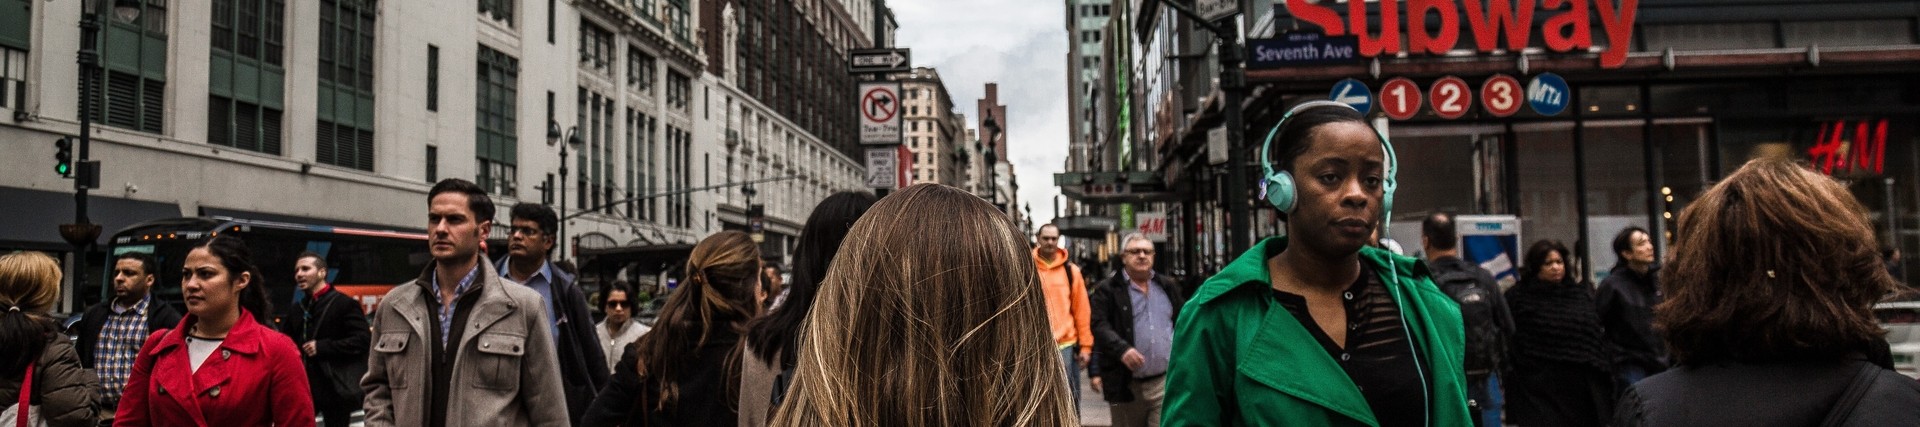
x=1022, y=46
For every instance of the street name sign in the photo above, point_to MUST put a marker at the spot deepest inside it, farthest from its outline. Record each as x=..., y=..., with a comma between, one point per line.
x=880, y=113
x=1297, y=49
x=879, y=60
x=1215, y=10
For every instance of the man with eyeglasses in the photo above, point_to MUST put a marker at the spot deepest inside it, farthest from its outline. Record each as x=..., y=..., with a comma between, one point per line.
x=1133, y=313
x=583, y=363
x=619, y=329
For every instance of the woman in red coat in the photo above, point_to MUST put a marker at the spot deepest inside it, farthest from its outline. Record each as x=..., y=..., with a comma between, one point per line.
x=222, y=366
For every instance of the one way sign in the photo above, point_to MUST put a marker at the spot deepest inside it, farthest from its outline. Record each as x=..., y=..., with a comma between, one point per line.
x=879, y=60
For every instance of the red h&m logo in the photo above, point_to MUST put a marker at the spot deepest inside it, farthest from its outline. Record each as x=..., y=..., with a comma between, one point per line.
x=1860, y=148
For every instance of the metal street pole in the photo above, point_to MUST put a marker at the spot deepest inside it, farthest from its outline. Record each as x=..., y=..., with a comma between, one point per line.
x=561, y=240
x=1233, y=84
x=83, y=231
x=570, y=137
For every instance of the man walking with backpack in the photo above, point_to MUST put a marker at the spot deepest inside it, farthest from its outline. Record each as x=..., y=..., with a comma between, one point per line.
x=1482, y=310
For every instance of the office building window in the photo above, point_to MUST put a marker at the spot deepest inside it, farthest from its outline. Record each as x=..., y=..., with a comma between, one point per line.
x=433, y=78
x=245, y=75
x=433, y=164
x=498, y=10
x=132, y=91
x=640, y=71
x=595, y=181
x=596, y=48
x=496, y=148
x=345, y=106
x=679, y=91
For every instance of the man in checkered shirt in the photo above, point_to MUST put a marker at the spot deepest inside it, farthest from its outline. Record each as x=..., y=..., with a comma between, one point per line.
x=112, y=332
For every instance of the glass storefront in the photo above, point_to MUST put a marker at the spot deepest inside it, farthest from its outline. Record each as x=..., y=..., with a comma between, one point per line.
x=1644, y=162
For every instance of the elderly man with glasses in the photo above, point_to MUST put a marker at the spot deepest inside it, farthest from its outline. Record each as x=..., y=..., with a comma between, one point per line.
x=1133, y=314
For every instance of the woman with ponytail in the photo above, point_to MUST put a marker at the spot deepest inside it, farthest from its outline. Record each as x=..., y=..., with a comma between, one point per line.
x=238, y=370
x=686, y=370
x=61, y=392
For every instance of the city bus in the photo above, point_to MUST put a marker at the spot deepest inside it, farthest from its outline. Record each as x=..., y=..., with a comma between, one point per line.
x=361, y=263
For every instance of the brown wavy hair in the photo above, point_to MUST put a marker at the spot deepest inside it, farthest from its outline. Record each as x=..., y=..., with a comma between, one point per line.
x=722, y=274
x=1774, y=263
x=930, y=315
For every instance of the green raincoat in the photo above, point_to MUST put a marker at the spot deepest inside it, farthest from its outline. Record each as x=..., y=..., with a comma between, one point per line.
x=1240, y=358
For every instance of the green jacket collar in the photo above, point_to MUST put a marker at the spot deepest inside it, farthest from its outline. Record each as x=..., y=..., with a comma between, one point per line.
x=1306, y=372
x=1250, y=269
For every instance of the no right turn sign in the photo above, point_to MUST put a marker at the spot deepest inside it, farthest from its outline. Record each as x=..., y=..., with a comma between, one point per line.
x=880, y=113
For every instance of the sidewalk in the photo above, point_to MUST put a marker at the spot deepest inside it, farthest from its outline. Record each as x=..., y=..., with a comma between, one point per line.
x=1093, y=408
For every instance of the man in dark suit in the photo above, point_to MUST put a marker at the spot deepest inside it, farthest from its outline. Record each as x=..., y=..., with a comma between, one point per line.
x=582, y=362
x=1133, y=313
x=111, y=332
x=331, y=329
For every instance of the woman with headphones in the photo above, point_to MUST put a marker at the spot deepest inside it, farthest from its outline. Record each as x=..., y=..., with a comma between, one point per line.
x=1319, y=327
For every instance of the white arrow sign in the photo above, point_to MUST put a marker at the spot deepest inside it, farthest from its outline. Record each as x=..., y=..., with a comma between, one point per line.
x=891, y=59
x=879, y=60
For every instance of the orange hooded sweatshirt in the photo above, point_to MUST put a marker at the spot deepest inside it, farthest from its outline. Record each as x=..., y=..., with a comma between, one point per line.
x=1067, y=309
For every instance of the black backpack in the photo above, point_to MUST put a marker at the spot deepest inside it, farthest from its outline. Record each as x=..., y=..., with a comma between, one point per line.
x=1485, y=342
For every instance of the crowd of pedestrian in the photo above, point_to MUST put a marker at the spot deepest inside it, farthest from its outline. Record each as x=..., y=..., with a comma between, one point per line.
x=929, y=308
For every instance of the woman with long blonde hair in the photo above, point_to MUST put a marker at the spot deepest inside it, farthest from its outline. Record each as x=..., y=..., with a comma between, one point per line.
x=686, y=370
x=931, y=315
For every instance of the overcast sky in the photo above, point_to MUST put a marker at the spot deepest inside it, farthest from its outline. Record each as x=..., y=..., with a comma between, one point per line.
x=1020, y=44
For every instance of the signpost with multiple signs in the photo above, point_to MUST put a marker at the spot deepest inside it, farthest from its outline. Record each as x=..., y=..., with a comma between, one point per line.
x=879, y=110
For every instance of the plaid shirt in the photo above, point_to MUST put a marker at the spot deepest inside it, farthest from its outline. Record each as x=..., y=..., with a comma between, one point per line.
x=446, y=311
x=120, y=340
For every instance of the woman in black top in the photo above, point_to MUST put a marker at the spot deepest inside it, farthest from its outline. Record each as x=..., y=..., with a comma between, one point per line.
x=1560, y=371
x=685, y=370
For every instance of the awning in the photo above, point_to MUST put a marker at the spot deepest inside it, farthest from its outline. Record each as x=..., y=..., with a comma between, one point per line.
x=34, y=216
x=1087, y=226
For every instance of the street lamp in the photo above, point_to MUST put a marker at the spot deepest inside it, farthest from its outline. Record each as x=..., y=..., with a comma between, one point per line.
x=554, y=135
x=992, y=127
x=83, y=231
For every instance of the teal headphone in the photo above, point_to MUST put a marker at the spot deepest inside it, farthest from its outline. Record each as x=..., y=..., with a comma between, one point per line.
x=1278, y=186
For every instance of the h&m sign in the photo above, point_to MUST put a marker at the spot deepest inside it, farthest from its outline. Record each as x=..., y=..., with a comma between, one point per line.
x=1494, y=24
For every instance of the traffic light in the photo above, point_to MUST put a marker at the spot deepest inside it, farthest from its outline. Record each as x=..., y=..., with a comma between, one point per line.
x=63, y=157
